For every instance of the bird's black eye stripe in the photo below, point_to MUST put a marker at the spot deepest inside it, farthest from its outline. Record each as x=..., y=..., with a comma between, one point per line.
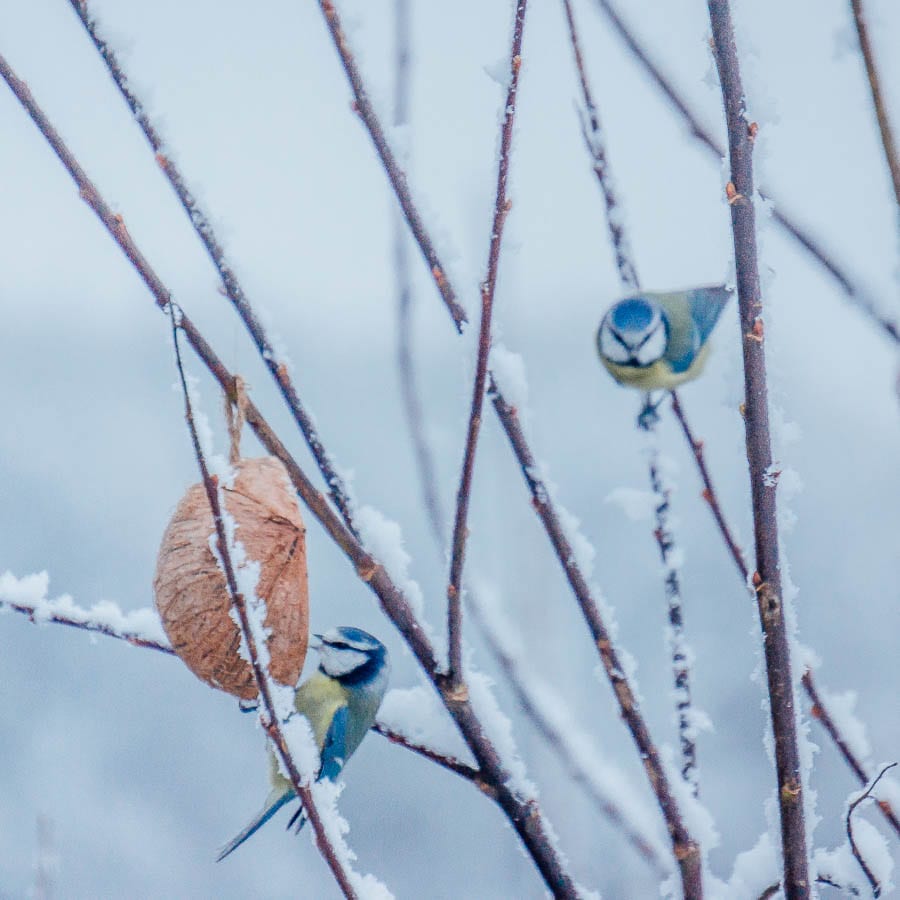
x=618, y=337
x=646, y=338
x=341, y=645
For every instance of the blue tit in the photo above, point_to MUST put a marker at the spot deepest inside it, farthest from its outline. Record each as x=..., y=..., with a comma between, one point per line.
x=340, y=700
x=658, y=340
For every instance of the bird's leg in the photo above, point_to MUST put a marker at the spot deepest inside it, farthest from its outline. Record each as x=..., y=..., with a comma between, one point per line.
x=299, y=814
x=648, y=417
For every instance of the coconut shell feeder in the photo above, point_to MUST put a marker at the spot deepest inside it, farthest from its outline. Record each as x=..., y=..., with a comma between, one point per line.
x=191, y=593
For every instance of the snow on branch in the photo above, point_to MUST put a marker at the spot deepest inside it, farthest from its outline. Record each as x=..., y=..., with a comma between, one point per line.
x=29, y=596
x=290, y=735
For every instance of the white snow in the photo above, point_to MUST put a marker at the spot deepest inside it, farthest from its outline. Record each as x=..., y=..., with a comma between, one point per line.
x=418, y=714
x=508, y=369
x=31, y=591
x=842, y=709
x=383, y=538
x=498, y=729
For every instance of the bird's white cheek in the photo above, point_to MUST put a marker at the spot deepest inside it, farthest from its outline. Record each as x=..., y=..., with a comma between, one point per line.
x=610, y=348
x=341, y=662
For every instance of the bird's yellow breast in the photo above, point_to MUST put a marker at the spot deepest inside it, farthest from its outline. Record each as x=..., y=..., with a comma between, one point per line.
x=658, y=376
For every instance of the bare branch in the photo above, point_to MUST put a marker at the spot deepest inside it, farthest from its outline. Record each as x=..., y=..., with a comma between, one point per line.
x=870, y=875
x=523, y=813
x=855, y=292
x=881, y=113
x=663, y=533
x=820, y=712
x=271, y=720
x=412, y=406
x=501, y=209
x=596, y=147
x=363, y=107
x=233, y=289
x=767, y=578
x=709, y=492
x=686, y=849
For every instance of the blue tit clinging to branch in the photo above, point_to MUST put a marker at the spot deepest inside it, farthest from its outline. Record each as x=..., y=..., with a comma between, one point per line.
x=657, y=340
x=340, y=700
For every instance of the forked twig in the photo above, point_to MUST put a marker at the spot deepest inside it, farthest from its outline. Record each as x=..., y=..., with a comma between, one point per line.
x=233, y=289
x=663, y=533
x=488, y=286
x=686, y=850
x=855, y=293
x=867, y=871
x=881, y=113
x=819, y=709
x=270, y=721
x=821, y=713
x=523, y=812
x=767, y=578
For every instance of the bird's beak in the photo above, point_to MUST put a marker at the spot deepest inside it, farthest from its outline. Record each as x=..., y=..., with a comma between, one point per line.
x=317, y=641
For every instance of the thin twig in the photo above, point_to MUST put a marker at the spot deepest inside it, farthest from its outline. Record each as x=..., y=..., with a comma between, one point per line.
x=233, y=289
x=821, y=713
x=850, y=889
x=686, y=849
x=855, y=293
x=38, y=616
x=663, y=533
x=668, y=551
x=596, y=146
x=406, y=365
x=870, y=875
x=451, y=763
x=881, y=113
x=524, y=813
x=488, y=286
x=363, y=107
x=709, y=492
x=270, y=721
x=767, y=578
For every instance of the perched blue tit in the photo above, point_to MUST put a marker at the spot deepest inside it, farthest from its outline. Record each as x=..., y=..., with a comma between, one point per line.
x=340, y=700
x=658, y=340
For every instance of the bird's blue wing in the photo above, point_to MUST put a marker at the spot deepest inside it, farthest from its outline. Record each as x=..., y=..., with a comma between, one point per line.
x=706, y=306
x=273, y=804
x=334, y=749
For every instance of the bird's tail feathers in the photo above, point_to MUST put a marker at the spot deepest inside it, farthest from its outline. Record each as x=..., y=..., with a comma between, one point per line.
x=274, y=802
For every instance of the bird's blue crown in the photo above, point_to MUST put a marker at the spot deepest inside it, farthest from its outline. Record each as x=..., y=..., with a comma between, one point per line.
x=634, y=314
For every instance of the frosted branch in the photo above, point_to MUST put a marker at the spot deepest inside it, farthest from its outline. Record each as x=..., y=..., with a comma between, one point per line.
x=501, y=209
x=767, y=577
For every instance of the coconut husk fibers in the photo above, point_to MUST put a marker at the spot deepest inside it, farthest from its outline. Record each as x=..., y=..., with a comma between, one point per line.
x=192, y=595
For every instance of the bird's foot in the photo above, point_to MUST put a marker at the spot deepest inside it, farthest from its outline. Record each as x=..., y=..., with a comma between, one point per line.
x=648, y=417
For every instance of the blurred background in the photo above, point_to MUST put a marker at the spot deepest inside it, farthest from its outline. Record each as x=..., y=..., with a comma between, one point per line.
x=133, y=770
